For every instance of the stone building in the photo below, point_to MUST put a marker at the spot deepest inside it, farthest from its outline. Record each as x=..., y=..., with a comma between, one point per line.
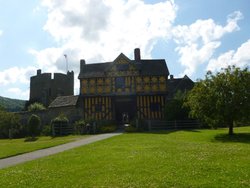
x=124, y=88
x=44, y=88
x=178, y=84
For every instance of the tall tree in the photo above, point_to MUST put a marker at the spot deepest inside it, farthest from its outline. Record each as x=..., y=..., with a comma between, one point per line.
x=174, y=109
x=221, y=98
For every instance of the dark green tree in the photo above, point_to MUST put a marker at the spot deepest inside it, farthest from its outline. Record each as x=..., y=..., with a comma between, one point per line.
x=174, y=109
x=34, y=123
x=221, y=98
x=9, y=125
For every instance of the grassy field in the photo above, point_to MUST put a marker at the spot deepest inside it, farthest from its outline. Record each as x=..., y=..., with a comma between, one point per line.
x=18, y=146
x=198, y=158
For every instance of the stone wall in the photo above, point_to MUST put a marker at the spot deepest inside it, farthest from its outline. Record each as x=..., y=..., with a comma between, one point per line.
x=44, y=88
x=72, y=113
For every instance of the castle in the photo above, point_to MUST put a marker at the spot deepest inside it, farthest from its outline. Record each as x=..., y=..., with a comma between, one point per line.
x=124, y=88
x=45, y=89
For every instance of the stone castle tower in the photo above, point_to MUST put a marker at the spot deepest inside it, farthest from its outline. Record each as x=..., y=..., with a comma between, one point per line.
x=44, y=88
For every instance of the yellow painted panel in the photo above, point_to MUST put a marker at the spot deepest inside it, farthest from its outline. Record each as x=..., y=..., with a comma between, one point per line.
x=92, y=90
x=154, y=79
x=162, y=87
x=154, y=87
x=146, y=79
x=84, y=90
x=92, y=82
x=138, y=88
x=162, y=79
x=147, y=88
x=100, y=81
x=138, y=80
x=84, y=82
x=108, y=80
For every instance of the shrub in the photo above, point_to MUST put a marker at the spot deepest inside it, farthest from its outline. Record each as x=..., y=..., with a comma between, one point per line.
x=80, y=127
x=60, y=126
x=61, y=119
x=107, y=128
x=36, y=107
x=46, y=130
x=130, y=129
x=34, y=123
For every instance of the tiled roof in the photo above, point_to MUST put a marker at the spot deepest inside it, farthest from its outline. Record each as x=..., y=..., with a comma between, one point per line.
x=182, y=84
x=145, y=67
x=63, y=101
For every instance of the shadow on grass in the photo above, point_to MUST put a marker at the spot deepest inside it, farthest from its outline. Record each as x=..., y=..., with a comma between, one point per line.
x=30, y=139
x=238, y=137
x=167, y=131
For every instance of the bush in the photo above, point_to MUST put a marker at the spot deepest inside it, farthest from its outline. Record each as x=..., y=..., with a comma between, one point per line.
x=107, y=128
x=60, y=126
x=80, y=127
x=34, y=123
x=46, y=130
x=130, y=129
x=60, y=119
x=36, y=107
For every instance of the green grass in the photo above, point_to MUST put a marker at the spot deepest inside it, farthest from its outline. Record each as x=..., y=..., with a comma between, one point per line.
x=199, y=158
x=18, y=146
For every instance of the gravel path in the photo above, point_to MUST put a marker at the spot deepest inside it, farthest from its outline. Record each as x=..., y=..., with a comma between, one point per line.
x=11, y=161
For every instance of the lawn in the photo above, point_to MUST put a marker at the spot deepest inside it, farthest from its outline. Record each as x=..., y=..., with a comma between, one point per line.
x=198, y=158
x=18, y=146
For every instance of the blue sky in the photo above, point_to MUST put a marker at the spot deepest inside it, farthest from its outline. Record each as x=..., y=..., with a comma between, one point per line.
x=192, y=36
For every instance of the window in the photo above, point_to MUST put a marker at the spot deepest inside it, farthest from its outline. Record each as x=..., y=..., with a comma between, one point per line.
x=122, y=67
x=98, y=107
x=155, y=107
x=120, y=83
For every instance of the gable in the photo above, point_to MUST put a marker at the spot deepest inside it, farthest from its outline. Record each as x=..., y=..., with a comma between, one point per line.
x=122, y=66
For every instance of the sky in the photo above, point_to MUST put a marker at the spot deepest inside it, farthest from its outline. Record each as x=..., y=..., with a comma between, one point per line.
x=193, y=36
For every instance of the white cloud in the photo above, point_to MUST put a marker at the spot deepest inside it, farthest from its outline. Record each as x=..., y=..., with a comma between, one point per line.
x=198, y=41
x=240, y=58
x=1, y=32
x=18, y=92
x=16, y=75
x=98, y=30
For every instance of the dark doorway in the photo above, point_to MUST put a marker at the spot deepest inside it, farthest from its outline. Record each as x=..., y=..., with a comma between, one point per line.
x=125, y=109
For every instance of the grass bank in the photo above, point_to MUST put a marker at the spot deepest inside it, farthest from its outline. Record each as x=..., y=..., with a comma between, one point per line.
x=23, y=145
x=197, y=158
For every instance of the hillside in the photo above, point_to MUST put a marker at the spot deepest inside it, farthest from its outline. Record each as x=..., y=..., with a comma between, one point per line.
x=13, y=105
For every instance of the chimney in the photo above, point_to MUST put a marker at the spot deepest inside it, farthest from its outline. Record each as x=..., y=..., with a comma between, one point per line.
x=82, y=63
x=137, y=54
x=39, y=71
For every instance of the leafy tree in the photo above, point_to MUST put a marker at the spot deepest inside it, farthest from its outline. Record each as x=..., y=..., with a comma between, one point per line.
x=221, y=98
x=174, y=109
x=36, y=107
x=9, y=125
x=34, y=123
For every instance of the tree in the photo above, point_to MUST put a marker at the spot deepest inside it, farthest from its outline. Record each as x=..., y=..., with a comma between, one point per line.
x=222, y=98
x=36, y=107
x=34, y=123
x=174, y=109
x=9, y=125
